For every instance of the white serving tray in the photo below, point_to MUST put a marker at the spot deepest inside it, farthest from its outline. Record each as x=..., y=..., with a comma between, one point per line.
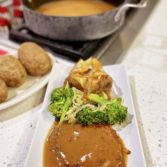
x=129, y=134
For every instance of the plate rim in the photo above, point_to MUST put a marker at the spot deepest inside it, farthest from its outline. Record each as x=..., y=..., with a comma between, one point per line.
x=27, y=93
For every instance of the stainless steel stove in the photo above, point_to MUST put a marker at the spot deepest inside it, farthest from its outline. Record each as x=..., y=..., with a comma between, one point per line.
x=74, y=50
x=108, y=49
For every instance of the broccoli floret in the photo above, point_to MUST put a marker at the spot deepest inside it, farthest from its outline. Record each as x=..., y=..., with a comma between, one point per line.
x=61, y=100
x=67, y=105
x=58, y=95
x=110, y=111
x=99, y=117
x=56, y=109
x=87, y=117
x=115, y=112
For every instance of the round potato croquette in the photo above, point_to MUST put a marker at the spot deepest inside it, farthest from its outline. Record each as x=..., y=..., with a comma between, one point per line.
x=12, y=71
x=35, y=60
x=3, y=91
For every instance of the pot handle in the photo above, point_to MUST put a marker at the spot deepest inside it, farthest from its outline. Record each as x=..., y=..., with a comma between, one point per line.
x=124, y=7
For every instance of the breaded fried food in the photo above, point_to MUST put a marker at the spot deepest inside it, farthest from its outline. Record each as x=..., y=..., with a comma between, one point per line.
x=3, y=91
x=89, y=76
x=12, y=71
x=35, y=60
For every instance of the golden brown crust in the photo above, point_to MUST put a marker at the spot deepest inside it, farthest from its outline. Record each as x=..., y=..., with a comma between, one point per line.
x=3, y=91
x=89, y=76
x=35, y=60
x=12, y=71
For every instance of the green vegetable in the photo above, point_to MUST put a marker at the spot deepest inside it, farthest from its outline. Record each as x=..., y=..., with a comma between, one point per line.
x=61, y=100
x=67, y=104
x=87, y=117
x=109, y=111
x=116, y=112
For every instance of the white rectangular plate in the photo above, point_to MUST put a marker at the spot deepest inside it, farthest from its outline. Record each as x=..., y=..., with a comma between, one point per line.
x=129, y=134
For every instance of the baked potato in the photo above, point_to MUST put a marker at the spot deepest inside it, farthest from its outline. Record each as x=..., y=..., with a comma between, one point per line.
x=3, y=91
x=89, y=76
x=35, y=60
x=12, y=71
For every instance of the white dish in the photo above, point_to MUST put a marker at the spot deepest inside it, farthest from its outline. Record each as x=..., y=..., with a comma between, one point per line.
x=31, y=85
x=129, y=134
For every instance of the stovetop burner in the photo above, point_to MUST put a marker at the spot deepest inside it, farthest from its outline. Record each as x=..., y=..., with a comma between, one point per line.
x=75, y=50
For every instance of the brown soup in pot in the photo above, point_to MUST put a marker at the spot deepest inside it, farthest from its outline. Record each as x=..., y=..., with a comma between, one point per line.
x=74, y=145
x=74, y=7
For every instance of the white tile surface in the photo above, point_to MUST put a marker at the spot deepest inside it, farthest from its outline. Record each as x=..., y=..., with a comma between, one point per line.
x=15, y=138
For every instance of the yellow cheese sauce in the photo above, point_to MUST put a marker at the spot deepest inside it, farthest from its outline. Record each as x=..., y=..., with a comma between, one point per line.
x=74, y=7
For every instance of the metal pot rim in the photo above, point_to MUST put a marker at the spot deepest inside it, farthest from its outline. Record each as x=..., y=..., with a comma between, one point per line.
x=75, y=17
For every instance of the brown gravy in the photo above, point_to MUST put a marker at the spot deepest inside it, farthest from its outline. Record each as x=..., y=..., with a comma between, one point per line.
x=74, y=7
x=84, y=146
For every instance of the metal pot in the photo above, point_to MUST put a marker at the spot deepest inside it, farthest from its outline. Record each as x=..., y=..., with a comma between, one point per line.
x=77, y=28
